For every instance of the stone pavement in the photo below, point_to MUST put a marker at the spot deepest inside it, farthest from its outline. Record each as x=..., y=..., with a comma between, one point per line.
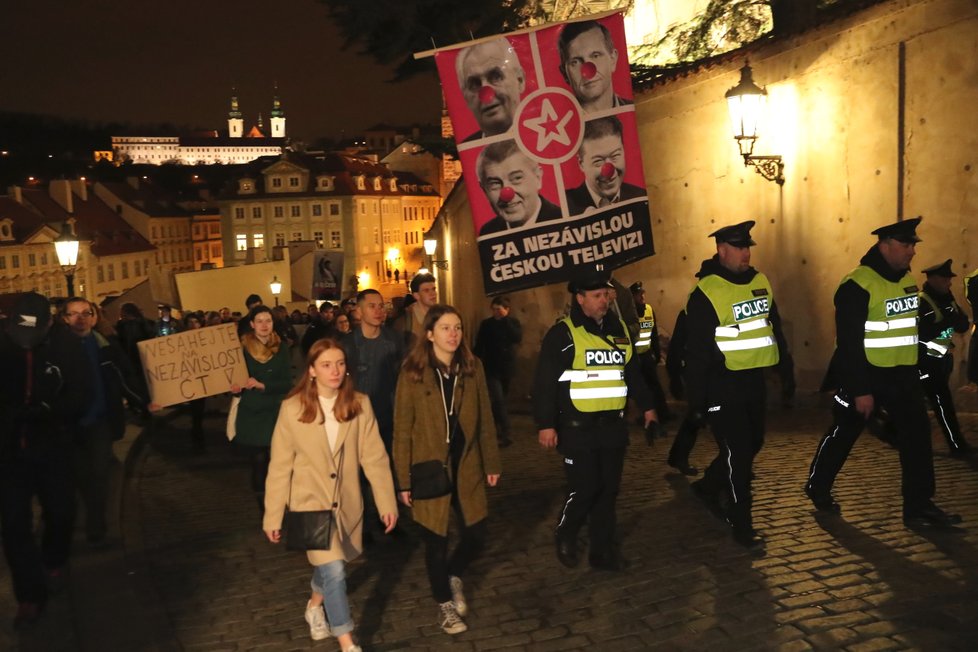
x=196, y=573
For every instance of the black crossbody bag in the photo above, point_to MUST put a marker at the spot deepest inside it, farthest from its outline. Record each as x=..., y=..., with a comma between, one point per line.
x=311, y=530
x=430, y=479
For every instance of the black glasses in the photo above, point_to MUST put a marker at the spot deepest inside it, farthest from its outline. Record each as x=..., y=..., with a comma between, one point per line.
x=85, y=313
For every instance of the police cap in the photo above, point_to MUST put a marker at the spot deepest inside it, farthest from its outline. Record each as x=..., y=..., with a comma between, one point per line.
x=904, y=231
x=737, y=235
x=589, y=277
x=636, y=287
x=941, y=269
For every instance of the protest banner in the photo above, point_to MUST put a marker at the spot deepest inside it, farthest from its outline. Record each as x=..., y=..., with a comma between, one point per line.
x=545, y=127
x=327, y=275
x=193, y=364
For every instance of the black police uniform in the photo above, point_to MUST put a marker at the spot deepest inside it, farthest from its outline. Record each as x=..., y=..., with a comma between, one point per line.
x=940, y=315
x=897, y=390
x=591, y=443
x=971, y=294
x=686, y=436
x=649, y=360
x=732, y=400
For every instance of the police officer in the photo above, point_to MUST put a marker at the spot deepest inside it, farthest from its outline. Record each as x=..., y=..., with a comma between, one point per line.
x=686, y=436
x=648, y=349
x=875, y=363
x=940, y=317
x=734, y=333
x=586, y=371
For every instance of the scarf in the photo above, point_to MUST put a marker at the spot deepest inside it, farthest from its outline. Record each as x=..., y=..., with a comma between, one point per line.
x=261, y=352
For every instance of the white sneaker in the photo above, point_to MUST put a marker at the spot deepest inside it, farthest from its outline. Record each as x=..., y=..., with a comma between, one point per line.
x=451, y=622
x=316, y=617
x=354, y=648
x=458, y=598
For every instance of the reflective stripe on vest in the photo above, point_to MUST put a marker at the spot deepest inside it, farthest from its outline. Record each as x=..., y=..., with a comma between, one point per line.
x=745, y=335
x=940, y=345
x=646, y=321
x=597, y=373
x=890, y=338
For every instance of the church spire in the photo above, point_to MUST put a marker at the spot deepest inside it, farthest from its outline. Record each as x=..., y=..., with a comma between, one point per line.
x=278, y=116
x=235, y=122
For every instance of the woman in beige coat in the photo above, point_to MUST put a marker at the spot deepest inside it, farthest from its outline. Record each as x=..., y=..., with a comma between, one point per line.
x=325, y=434
x=442, y=412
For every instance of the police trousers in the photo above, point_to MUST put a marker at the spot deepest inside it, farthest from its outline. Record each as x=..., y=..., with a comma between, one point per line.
x=900, y=396
x=738, y=427
x=935, y=373
x=593, y=478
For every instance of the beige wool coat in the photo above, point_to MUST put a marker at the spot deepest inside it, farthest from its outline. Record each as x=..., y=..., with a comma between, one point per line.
x=304, y=467
x=420, y=434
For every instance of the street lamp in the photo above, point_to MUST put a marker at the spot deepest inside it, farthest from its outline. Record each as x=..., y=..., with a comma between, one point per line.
x=66, y=246
x=276, y=287
x=746, y=101
x=430, y=245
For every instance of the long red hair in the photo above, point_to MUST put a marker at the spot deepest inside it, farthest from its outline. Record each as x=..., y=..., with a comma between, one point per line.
x=347, y=404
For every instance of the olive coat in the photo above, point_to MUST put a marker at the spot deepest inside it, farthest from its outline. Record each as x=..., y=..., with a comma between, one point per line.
x=259, y=408
x=420, y=432
x=305, y=475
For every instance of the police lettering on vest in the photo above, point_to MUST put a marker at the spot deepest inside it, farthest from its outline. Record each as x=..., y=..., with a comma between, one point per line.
x=604, y=357
x=744, y=333
x=597, y=373
x=890, y=338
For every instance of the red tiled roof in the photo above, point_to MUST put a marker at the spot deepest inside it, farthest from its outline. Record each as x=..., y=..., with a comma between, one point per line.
x=148, y=197
x=25, y=221
x=94, y=222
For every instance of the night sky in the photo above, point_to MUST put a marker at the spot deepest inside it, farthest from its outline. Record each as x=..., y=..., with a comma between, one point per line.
x=175, y=61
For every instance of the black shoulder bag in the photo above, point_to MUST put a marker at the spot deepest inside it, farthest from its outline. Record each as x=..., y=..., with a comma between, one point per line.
x=310, y=530
x=430, y=479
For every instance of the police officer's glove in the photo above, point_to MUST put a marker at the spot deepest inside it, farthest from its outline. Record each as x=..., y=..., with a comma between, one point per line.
x=653, y=430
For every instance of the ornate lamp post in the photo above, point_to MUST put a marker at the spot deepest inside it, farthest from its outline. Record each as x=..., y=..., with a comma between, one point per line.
x=276, y=287
x=746, y=101
x=66, y=246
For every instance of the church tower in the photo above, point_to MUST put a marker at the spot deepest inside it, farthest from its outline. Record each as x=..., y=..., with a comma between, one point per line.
x=278, y=117
x=235, y=122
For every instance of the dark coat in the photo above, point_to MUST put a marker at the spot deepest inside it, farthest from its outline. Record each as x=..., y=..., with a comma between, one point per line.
x=420, y=431
x=495, y=344
x=258, y=409
x=548, y=212
x=579, y=199
x=120, y=382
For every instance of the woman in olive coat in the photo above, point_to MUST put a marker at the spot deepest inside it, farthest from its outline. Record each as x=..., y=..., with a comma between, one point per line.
x=269, y=380
x=442, y=412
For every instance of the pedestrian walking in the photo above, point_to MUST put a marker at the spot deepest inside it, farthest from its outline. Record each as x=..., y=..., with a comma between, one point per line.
x=875, y=368
x=44, y=389
x=685, y=440
x=940, y=317
x=648, y=349
x=585, y=373
x=495, y=345
x=269, y=380
x=443, y=421
x=734, y=334
x=325, y=434
x=113, y=382
x=411, y=323
x=198, y=405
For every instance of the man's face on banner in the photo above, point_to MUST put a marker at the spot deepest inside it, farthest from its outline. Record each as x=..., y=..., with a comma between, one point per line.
x=591, y=84
x=602, y=160
x=523, y=177
x=492, y=81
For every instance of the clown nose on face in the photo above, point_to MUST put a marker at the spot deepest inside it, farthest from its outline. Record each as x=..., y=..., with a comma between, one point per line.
x=608, y=170
x=506, y=195
x=588, y=70
x=487, y=94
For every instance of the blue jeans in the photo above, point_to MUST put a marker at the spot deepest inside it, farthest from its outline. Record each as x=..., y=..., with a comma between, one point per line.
x=330, y=580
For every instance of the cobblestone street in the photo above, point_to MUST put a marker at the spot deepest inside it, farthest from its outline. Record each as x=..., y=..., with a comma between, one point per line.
x=208, y=580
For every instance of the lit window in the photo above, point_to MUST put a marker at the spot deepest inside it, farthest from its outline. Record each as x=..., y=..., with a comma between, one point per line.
x=335, y=241
x=258, y=240
x=241, y=242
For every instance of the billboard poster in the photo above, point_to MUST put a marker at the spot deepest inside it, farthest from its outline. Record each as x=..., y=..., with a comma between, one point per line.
x=545, y=127
x=327, y=275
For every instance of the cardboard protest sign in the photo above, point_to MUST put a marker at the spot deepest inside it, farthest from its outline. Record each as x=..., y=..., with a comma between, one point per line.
x=327, y=275
x=193, y=364
x=546, y=132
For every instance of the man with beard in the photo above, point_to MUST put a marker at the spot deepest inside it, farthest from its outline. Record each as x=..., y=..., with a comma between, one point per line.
x=734, y=334
x=587, y=61
x=512, y=181
x=875, y=368
x=602, y=160
x=492, y=82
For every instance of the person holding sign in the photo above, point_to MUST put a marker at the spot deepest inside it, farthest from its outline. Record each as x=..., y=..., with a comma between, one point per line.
x=512, y=181
x=326, y=432
x=602, y=160
x=269, y=379
x=588, y=58
x=492, y=82
x=443, y=421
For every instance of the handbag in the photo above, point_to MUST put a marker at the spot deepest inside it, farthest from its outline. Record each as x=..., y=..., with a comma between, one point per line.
x=430, y=480
x=312, y=530
x=309, y=530
x=232, y=417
